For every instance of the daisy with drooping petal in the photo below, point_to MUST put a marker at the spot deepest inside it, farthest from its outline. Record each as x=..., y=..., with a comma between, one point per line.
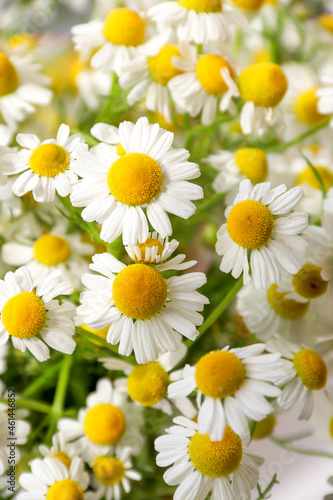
x=147, y=313
x=27, y=312
x=254, y=223
x=150, y=176
x=234, y=384
x=226, y=467
x=305, y=372
x=45, y=167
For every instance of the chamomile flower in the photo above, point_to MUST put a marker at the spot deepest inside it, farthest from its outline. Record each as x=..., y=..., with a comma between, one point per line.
x=108, y=420
x=226, y=467
x=27, y=312
x=150, y=176
x=233, y=384
x=147, y=384
x=45, y=167
x=305, y=372
x=255, y=223
x=51, y=480
x=325, y=93
x=206, y=84
x=262, y=87
x=199, y=21
x=60, y=449
x=138, y=302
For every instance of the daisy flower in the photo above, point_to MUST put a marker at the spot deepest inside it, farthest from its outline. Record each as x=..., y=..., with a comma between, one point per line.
x=60, y=449
x=305, y=372
x=139, y=303
x=46, y=165
x=22, y=87
x=226, y=467
x=255, y=223
x=206, y=84
x=262, y=87
x=108, y=420
x=233, y=384
x=148, y=384
x=199, y=21
x=325, y=93
x=27, y=312
x=51, y=480
x=150, y=175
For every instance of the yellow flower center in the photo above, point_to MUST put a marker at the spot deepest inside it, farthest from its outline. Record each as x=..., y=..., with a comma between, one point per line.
x=124, y=26
x=326, y=20
x=104, y=424
x=262, y=55
x=108, y=470
x=64, y=458
x=24, y=315
x=207, y=6
x=263, y=83
x=287, y=308
x=51, y=250
x=67, y=489
x=250, y=224
x=308, y=282
x=148, y=384
x=248, y=4
x=216, y=458
x=8, y=76
x=150, y=243
x=208, y=71
x=306, y=108
x=252, y=162
x=308, y=176
x=331, y=427
x=49, y=160
x=219, y=374
x=265, y=427
x=139, y=291
x=120, y=150
x=311, y=369
x=160, y=66
x=135, y=179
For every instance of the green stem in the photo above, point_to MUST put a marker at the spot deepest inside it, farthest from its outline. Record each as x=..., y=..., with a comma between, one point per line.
x=302, y=451
x=253, y=426
x=211, y=202
x=61, y=389
x=262, y=494
x=40, y=382
x=30, y=404
x=316, y=173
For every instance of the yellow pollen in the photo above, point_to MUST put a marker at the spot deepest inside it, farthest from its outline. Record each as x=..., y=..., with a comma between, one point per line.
x=139, y=291
x=311, y=369
x=148, y=384
x=250, y=224
x=24, y=315
x=8, y=76
x=124, y=26
x=286, y=308
x=49, y=160
x=308, y=282
x=108, y=470
x=208, y=70
x=308, y=176
x=305, y=108
x=248, y=4
x=104, y=424
x=64, y=458
x=219, y=374
x=160, y=66
x=326, y=20
x=263, y=83
x=207, y=6
x=331, y=427
x=150, y=243
x=135, y=179
x=252, y=162
x=67, y=489
x=216, y=458
x=120, y=150
x=51, y=250
x=265, y=427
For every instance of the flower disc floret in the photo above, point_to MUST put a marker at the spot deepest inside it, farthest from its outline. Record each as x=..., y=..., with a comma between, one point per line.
x=250, y=224
x=306, y=108
x=135, y=179
x=64, y=458
x=51, y=250
x=309, y=177
x=8, y=76
x=216, y=458
x=148, y=384
x=108, y=470
x=24, y=315
x=286, y=308
x=160, y=66
x=49, y=160
x=123, y=26
x=265, y=427
x=311, y=369
x=150, y=243
x=252, y=162
x=139, y=291
x=263, y=83
x=219, y=374
x=67, y=489
x=207, y=6
x=104, y=424
x=208, y=70
x=248, y=4
x=308, y=282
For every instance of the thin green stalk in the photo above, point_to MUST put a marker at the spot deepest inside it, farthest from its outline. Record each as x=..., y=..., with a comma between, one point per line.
x=40, y=382
x=253, y=426
x=209, y=203
x=263, y=494
x=302, y=451
x=282, y=147
x=316, y=173
x=61, y=388
x=30, y=404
